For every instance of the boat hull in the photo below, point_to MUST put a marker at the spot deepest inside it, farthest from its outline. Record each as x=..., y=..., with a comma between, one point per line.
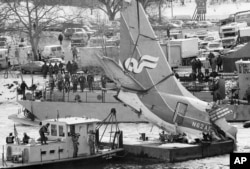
x=49, y=110
x=45, y=110
x=87, y=161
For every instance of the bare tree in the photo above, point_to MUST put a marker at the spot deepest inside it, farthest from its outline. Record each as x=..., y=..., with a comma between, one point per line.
x=34, y=17
x=160, y=3
x=147, y=3
x=110, y=7
x=154, y=4
x=4, y=15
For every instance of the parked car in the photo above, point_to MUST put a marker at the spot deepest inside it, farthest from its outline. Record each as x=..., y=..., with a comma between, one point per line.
x=204, y=24
x=56, y=60
x=89, y=31
x=32, y=67
x=70, y=31
x=190, y=24
x=54, y=27
x=53, y=51
x=179, y=23
x=212, y=38
x=215, y=47
x=97, y=41
x=79, y=39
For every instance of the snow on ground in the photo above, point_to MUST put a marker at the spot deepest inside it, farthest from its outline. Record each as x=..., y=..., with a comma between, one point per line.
x=9, y=85
x=216, y=11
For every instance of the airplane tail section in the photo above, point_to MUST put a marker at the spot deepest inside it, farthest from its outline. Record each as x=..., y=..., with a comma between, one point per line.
x=148, y=84
x=141, y=54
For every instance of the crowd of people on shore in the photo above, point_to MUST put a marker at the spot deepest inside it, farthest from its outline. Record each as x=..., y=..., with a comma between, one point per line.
x=211, y=62
x=67, y=78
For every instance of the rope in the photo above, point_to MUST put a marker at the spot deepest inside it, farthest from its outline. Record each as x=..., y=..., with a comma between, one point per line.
x=146, y=90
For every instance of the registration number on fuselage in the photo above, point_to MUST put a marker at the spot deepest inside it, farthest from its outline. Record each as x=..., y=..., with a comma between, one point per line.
x=201, y=126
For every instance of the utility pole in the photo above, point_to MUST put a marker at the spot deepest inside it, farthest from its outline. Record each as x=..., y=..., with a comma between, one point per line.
x=172, y=13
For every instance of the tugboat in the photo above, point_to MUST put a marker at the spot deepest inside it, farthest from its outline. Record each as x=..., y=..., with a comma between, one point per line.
x=70, y=141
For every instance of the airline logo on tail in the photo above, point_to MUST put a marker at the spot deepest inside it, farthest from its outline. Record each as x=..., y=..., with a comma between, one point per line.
x=146, y=61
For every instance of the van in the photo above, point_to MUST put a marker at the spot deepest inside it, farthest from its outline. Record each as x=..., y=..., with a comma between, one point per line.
x=53, y=51
x=3, y=58
x=68, y=32
x=79, y=39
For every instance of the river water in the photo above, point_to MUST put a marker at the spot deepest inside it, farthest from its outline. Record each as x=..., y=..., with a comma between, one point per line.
x=131, y=131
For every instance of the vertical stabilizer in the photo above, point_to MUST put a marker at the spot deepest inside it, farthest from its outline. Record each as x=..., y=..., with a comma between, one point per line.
x=141, y=54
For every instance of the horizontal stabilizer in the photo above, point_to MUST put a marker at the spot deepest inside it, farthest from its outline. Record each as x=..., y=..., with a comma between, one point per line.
x=117, y=74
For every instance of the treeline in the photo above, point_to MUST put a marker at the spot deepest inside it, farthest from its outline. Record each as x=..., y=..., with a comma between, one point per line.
x=80, y=3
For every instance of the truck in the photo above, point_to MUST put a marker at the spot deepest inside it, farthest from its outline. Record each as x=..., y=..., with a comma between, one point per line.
x=180, y=52
x=244, y=35
x=241, y=16
x=229, y=33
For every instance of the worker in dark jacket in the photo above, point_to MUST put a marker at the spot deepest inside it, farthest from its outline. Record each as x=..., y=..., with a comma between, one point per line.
x=74, y=67
x=10, y=139
x=75, y=138
x=51, y=69
x=45, y=70
x=90, y=80
x=59, y=81
x=103, y=81
x=219, y=63
x=60, y=66
x=51, y=83
x=23, y=87
x=60, y=38
x=56, y=69
x=69, y=67
x=74, y=82
x=67, y=82
x=82, y=81
x=198, y=65
x=42, y=131
x=25, y=138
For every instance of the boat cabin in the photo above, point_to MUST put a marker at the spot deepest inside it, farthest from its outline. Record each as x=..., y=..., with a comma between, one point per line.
x=60, y=143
